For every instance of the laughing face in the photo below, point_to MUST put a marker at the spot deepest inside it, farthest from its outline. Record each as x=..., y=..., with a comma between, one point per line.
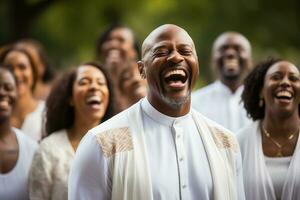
x=281, y=90
x=119, y=46
x=171, y=67
x=8, y=94
x=90, y=93
x=232, y=56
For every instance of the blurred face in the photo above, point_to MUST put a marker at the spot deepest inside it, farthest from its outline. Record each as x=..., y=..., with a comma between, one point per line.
x=171, y=67
x=281, y=90
x=119, y=46
x=40, y=68
x=8, y=94
x=90, y=93
x=232, y=56
x=130, y=80
x=19, y=64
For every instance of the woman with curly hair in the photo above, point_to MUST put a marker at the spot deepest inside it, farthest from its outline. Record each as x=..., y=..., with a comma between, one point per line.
x=270, y=147
x=79, y=101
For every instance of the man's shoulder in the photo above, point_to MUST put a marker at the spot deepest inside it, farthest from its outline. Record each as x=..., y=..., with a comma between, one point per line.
x=114, y=135
x=223, y=137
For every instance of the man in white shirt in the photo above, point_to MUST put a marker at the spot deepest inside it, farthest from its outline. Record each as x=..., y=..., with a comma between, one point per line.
x=159, y=148
x=221, y=100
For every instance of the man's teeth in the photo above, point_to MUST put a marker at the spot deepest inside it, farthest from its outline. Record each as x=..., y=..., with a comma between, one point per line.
x=284, y=94
x=175, y=72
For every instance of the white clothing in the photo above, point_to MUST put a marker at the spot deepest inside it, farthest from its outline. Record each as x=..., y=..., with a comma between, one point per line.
x=257, y=180
x=14, y=184
x=143, y=154
x=32, y=125
x=50, y=168
x=277, y=168
x=217, y=102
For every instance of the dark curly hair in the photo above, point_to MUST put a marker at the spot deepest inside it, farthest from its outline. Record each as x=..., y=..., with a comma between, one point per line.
x=59, y=114
x=104, y=37
x=9, y=49
x=253, y=85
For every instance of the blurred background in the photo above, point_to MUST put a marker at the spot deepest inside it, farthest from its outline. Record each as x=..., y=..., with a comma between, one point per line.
x=69, y=28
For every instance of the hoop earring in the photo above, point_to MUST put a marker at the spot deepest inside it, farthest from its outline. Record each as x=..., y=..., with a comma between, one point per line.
x=261, y=102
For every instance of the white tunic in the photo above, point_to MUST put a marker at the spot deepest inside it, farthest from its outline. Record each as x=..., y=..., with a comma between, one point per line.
x=50, y=168
x=278, y=168
x=32, y=125
x=217, y=102
x=14, y=184
x=178, y=164
x=258, y=179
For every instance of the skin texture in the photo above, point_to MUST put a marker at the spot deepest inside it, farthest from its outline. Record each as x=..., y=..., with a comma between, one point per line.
x=281, y=114
x=9, y=149
x=232, y=58
x=166, y=49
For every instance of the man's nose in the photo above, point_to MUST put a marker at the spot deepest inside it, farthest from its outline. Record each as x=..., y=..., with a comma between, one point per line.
x=230, y=53
x=175, y=57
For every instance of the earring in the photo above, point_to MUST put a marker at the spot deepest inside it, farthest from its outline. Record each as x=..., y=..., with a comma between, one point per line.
x=261, y=102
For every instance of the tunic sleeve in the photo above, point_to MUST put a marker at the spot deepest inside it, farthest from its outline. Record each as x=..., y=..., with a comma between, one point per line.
x=40, y=178
x=89, y=176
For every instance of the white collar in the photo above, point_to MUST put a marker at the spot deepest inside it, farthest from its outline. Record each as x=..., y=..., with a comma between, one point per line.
x=161, y=118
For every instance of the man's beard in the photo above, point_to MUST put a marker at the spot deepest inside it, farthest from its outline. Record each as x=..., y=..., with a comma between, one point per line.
x=176, y=104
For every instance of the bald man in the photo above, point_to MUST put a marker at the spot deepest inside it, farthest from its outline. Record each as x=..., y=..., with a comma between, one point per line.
x=221, y=100
x=159, y=148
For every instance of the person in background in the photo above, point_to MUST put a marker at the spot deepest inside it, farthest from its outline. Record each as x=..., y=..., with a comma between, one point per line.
x=270, y=145
x=118, y=48
x=28, y=111
x=221, y=100
x=131, y=86
x=45, y=74
x=160, y=148
x=79, y=101
x=16, y=148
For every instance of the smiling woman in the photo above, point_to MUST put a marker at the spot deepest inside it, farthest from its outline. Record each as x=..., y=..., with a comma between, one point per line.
x=27, y=114
x=80, y=100
x=270, y=147
x=16, y=149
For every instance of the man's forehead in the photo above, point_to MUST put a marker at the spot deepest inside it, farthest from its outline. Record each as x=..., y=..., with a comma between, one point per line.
x=232, y=38
x=167, y=34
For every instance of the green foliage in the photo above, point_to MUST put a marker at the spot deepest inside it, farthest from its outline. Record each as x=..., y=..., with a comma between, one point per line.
x=69, y=29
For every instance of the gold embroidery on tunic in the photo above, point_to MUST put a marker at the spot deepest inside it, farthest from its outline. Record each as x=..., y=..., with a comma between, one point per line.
x=224, y=140
x=114, y=141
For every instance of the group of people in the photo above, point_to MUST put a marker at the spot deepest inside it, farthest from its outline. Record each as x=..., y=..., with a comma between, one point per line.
x=131, y=128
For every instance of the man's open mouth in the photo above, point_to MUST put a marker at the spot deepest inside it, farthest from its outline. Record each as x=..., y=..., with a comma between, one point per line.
x=175, y=78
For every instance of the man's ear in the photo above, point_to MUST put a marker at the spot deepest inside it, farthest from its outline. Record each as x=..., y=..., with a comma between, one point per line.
x=142, y=69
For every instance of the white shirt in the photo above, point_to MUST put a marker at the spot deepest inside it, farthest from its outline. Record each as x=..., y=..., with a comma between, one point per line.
x=50, y=168
x=278, y=168
x=178, y=164
x=217, y=102
x=32, y=125
x=14, y=184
